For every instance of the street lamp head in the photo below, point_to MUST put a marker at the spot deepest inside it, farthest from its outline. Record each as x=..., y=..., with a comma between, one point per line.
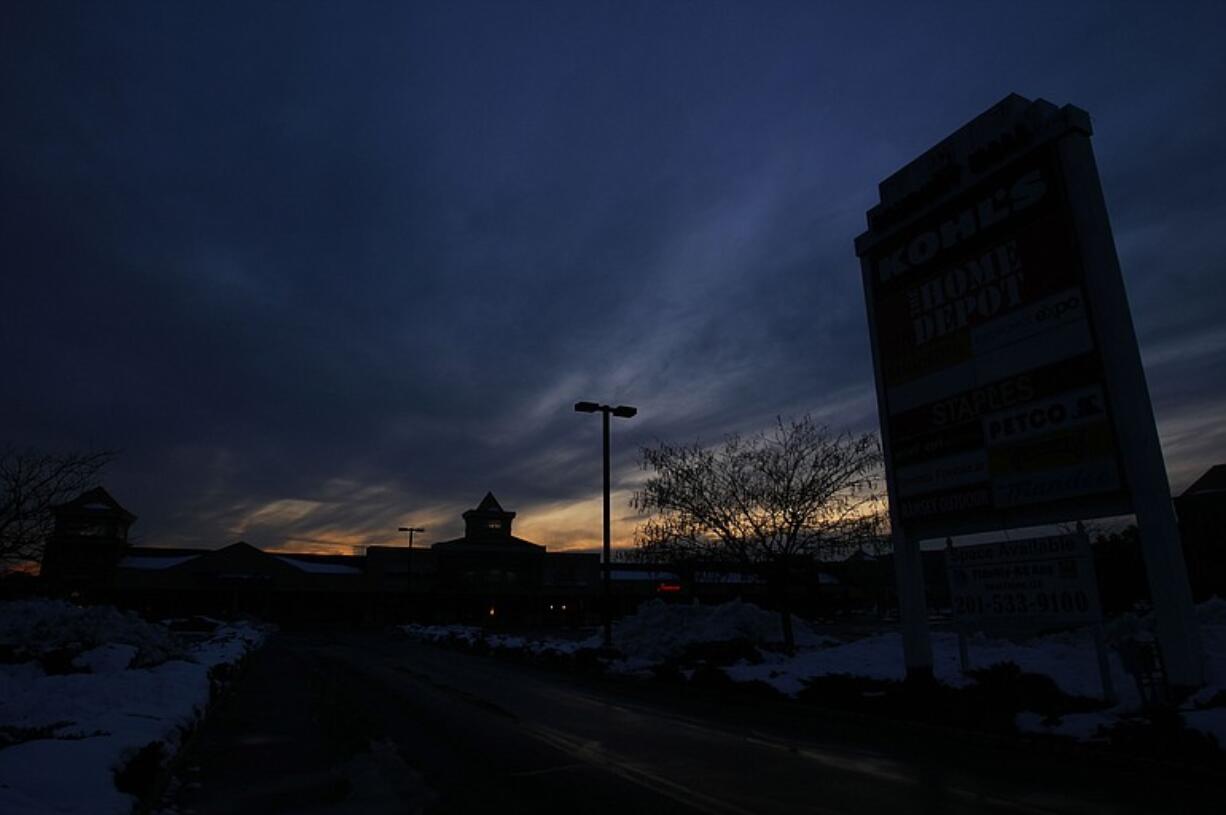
x=621, y=411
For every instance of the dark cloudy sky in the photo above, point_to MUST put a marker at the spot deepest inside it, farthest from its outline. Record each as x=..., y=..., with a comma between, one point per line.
x=318, y=270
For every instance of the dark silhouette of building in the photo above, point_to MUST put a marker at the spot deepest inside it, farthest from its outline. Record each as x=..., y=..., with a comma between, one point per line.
x=489, y=571
x=89, y=537
x=1202, y=526
x=488, y=575
x=241, y=579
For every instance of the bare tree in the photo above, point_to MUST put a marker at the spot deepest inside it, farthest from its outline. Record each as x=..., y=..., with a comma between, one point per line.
x=31, y=484
x=773, y=500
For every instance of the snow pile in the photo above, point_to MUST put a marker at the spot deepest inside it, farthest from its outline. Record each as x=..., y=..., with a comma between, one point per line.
x=472, y=635
x=1080, y=726
x=467, y=634
x=228, y=643
x=37, y=628
x=1212, y=612
x=106, y=659
x=63, y=736
x=660, y=631
x=1213, y=641
x=1069, y=659
x=657, y=632
x=1210, y=720
x=1209, y=614
x=1212, y=616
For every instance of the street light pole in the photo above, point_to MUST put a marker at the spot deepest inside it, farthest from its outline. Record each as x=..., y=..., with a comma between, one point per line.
x=623, y=412
x=408, y=569
x=608, y=559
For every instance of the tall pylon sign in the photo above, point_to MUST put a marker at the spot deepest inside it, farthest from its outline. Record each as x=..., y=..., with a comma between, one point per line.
x=1009, y=384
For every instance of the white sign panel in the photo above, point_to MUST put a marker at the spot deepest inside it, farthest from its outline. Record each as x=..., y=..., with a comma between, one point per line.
x=1035, y=583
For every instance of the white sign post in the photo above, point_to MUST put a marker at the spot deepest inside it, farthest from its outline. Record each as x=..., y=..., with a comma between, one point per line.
x=1026, y=586
x=1009, y=385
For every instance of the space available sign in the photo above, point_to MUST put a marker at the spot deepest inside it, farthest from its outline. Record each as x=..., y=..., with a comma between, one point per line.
x=1038, y=582
x=990, y=382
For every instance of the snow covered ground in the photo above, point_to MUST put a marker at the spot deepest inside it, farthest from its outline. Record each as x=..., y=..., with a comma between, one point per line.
x=84, y=689
x=659, y=632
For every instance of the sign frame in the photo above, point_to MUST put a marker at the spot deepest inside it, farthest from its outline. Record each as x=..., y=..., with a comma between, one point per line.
x=1033, y=583
x=990, y=146
x=1048, y=573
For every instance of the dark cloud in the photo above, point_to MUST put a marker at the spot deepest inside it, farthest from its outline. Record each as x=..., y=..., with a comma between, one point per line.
x=317, y=269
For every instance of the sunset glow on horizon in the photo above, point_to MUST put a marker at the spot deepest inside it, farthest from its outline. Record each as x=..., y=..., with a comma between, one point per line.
x=312, y=300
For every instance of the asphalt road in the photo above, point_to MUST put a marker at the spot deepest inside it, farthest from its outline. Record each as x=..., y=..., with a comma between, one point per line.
x=369, y=722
